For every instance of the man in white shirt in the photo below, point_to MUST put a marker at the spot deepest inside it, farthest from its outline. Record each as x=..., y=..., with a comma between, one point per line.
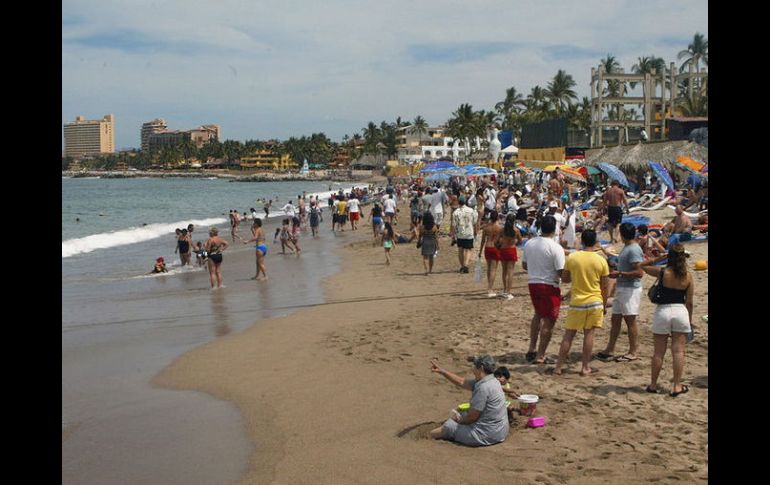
x=561, y=222
x=389, y=206
x=289, y=210
x=354, y=211
x=543, y=260
x=464, y=230
x=437, y=201
x=490, y=199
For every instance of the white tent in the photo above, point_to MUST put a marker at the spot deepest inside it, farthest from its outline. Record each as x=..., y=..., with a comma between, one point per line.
x=510, y=149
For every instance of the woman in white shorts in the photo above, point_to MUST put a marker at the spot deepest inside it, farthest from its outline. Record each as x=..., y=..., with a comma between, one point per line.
x=673, y=315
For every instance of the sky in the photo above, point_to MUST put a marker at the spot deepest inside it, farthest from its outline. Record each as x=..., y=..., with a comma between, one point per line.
x=265, y=69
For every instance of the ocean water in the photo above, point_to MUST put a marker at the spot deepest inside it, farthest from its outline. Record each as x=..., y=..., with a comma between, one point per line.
x=121, y=326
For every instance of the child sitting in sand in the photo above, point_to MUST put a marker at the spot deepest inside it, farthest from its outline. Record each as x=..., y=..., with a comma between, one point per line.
x=503, y=375
x=160, y=266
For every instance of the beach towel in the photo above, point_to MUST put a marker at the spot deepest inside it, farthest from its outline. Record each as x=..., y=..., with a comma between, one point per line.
x=652, y=208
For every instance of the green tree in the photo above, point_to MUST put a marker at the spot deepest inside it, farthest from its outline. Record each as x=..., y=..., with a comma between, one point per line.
x=615, y=88
x=560, y=91
x=372, y=136
x=696, y=51
x=419, y=127
x=509, y=108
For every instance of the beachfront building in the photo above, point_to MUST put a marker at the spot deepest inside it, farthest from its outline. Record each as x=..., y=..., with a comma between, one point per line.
x=89, y=137
x=268, y=160
x=199, y=136
x=431, y=145
x=150, y=128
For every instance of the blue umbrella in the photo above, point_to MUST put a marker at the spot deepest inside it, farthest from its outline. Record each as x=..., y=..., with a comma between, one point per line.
x=479, y=171
x=437, y=177
x=661, y=173
x=438, y=166
x=614, y=173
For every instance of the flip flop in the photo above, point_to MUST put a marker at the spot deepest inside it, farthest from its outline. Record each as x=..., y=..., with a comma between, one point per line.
x=530, y=356
x=604, y=356
x=684, y=390
x=546, y=360
x=625, y=358
x=651, y=390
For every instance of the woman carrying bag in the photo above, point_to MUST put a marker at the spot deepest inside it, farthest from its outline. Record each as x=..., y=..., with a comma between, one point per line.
x=673, y=295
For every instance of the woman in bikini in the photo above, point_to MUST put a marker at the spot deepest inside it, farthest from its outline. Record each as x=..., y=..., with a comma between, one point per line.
x=214, y=247
x=506, y=246
x=258, y=236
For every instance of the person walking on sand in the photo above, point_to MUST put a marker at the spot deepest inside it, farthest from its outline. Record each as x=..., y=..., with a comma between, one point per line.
x=376, y=216
x=428, y=241
x=615, y=199
x=463, y=230
x=294, y=235
x=628, y=295
x=543, y=260
x=506, y=247
x=354, y=211
x=588, y=272
x=486, y=422
x=490, y=234
x=315, y=217
x=673, y=315
x=388, y=238
x=214, y=247
x=258, y=236
x=389, y=205
x=289, y=209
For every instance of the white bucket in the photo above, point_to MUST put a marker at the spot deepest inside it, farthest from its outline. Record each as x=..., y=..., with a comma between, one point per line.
x=527, y=404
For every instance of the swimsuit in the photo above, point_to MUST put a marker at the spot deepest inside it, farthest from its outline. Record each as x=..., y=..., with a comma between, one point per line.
x=184, y=246
x=262, y=247
x=215, y=254
x=387, y=244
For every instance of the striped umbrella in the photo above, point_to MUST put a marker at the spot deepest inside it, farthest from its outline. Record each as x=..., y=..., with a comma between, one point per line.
x=614, y=173
x=661, y=173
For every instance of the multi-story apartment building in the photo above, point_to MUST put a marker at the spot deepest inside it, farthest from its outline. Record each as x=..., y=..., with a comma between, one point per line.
x=432, y=144
x=199, y=136
x=89, y=137
x=268, y=160
x=150, y=128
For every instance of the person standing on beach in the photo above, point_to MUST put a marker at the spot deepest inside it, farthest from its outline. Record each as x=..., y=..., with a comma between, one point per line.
x=315, y=217
x=389, y=205
x=214, y=247
x=266, y=208
x=354, y=211
x=302, y=212
x=588, y=272
x=628, y=295
x=463, y=230
x=342, y=212
x=486, y=422
x=543, y=261
x=388, y=241
x=376, y=216
x=296, y=228
x=258, y=236
x=673, y=315
x=615, y=199
x=490, y=234
x=428, y=241
x=184, y=244
x=508, y=254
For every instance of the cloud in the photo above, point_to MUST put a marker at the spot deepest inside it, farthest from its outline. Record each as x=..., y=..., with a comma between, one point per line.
x=274, y=69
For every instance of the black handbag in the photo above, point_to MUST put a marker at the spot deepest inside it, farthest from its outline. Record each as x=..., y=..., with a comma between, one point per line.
x=655, y=291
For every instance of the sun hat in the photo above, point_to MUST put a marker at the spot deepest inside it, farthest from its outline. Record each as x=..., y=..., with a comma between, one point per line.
x=553, y=203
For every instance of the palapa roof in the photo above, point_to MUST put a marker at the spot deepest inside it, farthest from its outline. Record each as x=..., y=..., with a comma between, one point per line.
x=632, y=157
x=368, y=160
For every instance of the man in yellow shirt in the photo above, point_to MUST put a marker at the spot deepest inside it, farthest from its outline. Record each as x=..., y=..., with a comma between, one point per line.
x=589, y=274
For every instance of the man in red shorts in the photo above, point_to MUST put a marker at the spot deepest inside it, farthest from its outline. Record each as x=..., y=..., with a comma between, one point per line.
x=543, y=260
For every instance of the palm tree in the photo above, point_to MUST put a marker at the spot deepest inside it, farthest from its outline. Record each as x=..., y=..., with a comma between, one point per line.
x=420, y=127
x=463, y=124
x=372, y=137
x=560, y=91
x=511, y=105
x=698, y=50
x=615, y=88
x=537, y=102
x=646, y=65
x=695, y=105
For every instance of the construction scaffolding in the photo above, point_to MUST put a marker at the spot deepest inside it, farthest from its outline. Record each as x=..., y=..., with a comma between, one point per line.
x=660, y=96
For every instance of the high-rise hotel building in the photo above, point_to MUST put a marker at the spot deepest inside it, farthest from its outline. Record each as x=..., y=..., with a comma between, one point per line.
x=89, y=137
x=150, y=128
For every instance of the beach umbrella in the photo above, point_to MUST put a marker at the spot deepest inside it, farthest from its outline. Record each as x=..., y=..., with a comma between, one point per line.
x=614, y=173
x=480, y=171
x=551, y=168
x=437, y=177
x=572, y=173
x=661, y=172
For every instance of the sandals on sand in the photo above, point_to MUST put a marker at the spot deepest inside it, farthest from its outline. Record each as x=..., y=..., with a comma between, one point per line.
x=546, y=360
x=530, y=356
x=683, y=391
x=604, y=356
x=625, y=358
x=651, y=389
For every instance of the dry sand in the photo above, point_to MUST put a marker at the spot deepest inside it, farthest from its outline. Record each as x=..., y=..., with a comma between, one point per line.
x=342, y=392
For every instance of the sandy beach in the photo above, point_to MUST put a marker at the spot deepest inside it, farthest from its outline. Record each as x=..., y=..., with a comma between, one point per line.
x=341, y=391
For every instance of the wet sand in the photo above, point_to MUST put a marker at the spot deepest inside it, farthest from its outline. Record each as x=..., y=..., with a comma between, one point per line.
x=342, y=392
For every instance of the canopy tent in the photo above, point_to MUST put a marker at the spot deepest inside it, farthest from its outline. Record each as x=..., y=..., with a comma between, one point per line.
x=661, y=172
x=509, y=149
x=614, y=173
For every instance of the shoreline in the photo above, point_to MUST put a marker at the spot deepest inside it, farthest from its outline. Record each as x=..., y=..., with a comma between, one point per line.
x=344, y=387
x=233, y=177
